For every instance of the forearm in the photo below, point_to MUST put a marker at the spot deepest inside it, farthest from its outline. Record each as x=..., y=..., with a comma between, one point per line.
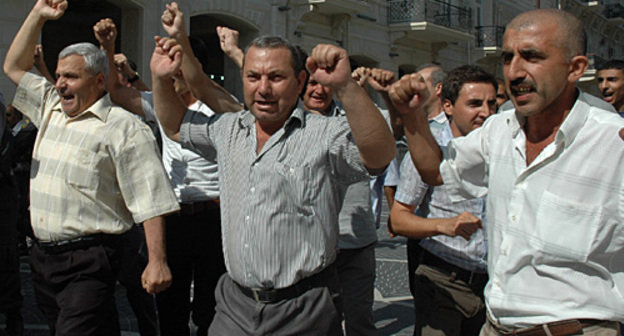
x=370, y=131
x=155, y=239
x=408, y=224
x=20, y=56
x=169, y=109
x=201, y=86
x=237, y=56
x=395, y=117
x=42, y=68
x=423, y=148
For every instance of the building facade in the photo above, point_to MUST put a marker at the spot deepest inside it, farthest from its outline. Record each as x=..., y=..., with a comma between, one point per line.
x=398, y=35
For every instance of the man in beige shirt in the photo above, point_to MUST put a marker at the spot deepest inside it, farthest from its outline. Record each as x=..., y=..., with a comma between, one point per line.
x=95, y=172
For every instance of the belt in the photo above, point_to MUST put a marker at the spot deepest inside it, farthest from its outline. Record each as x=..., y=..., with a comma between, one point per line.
x=57, y=247
x=557, y=328
x=271, y=295
x=469, y=277
x=198, y=207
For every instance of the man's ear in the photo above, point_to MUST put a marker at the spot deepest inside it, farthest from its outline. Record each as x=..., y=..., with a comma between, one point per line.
x=448, y=107
x=100, y=81
x=438, y=90
x=301, y=79
x=578, y=65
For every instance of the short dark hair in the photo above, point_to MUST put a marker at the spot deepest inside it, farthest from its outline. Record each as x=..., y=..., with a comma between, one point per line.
x=611, y=64
x=459, y=76
x=272, y=42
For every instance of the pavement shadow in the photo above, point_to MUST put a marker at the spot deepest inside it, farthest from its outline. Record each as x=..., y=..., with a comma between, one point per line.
x=395, y=319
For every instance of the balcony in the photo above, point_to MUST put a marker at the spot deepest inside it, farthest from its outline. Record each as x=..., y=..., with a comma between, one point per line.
x=333, y=7
x=430, y=20
x=489, y=40
x=614, y=12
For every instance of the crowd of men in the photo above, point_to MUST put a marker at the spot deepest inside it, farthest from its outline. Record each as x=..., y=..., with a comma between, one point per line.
x=268, y=209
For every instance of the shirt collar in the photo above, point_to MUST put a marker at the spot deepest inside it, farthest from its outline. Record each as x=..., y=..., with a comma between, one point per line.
x=574, y=121
x=440, y=118
x=247, y=119
x=568, y=129
x=101, y=108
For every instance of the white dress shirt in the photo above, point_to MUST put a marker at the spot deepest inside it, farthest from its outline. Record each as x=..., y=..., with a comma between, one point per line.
x=556, y=227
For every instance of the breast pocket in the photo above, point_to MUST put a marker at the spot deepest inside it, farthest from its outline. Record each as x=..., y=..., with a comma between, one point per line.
x=297, y=187
x=566, y=229
x=82, y=169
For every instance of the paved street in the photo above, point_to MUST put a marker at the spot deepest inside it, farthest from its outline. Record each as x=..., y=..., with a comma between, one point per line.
x=393, y=306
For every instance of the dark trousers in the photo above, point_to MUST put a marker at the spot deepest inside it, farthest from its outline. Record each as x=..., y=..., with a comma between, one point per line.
x=444, y=304
x=74, y=289
x=356, y=270
x=10, y=282
x=315, y=312
x=133, y=262
x=194, y=254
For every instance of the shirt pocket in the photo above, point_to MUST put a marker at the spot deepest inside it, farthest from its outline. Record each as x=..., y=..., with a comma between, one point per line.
x=81, y=169
x=566, y=229
x=298, y=188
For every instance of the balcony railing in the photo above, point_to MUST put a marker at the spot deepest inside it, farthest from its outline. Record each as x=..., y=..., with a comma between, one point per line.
x=613, y=10
x=433, y=11
x=490, y=36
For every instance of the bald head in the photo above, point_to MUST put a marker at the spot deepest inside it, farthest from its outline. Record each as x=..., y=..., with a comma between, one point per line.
x=569, y=33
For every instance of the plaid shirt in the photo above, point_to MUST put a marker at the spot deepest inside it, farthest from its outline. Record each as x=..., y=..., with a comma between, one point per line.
x=97, y=172
x=280, y=206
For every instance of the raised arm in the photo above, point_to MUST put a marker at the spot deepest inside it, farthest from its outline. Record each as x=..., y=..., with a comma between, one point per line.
x=133, y=78
x=408, y=224
x=105, y=32
x=201, y=86
x=407, y=96
x=381, y=80
x=20, y=56
x=165, y=63
x=40, y=65
x=330, y=66
x=228, y=40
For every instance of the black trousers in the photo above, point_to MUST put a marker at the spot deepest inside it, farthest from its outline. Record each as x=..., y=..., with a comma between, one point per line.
x=133, y=262
x=194, y=254
x=75, y=289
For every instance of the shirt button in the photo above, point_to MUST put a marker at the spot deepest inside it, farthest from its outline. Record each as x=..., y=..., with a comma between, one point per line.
x=246, y=245
x=253, y=189
x=513, y=218
x=246, y=218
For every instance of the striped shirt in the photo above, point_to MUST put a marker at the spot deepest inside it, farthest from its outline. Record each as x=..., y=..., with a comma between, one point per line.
x=280, y=206
x=361, y=208
x=435, y=202
x=555, y=227
x=97, y=172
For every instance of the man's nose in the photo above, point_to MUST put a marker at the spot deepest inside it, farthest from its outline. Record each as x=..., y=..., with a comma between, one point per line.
x=264, y=87
x=515, y=69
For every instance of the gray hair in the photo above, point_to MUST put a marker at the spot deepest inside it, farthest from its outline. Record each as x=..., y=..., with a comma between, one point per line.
x=95, y=59
x=272, y=42
x=437, y=76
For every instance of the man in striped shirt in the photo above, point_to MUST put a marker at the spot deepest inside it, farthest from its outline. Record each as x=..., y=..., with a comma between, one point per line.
x=283, y=175
x=95, y=173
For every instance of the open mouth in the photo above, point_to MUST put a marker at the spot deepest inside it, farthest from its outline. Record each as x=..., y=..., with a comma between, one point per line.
x=608, y=96
x=521, y=92
x=67, y=99
x=265, y=104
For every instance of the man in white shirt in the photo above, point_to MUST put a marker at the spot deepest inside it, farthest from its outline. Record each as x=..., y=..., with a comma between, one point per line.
x=550, y=168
